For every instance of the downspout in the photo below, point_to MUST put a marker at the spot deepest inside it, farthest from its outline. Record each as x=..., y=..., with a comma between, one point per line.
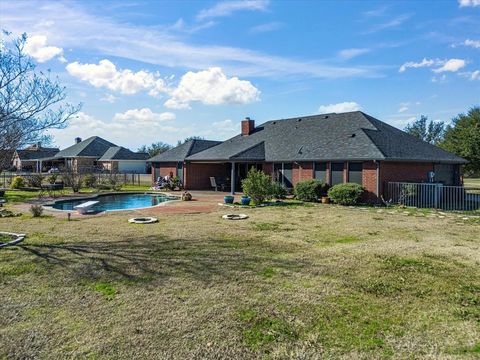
x=232, y=181
x=377, y=179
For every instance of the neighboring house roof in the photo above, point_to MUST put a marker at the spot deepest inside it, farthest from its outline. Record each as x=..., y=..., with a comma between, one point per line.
x=42, y=153
x=121, y=153
x=181, y=152
x=344, y=136
x=94, y=146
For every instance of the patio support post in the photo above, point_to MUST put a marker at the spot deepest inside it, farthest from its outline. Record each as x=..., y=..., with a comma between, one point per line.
x=232, y=175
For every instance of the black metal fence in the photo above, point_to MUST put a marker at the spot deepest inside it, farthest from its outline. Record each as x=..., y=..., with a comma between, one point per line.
x=123, y=178
x=437, y=196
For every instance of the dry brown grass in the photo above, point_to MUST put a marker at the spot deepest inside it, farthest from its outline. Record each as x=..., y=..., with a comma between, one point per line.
x=307, y=282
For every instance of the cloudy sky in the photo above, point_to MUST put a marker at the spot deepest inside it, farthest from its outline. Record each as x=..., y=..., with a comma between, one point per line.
x=150, y=71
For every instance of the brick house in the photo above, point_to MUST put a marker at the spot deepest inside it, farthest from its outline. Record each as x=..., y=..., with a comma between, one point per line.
x=96, y=154
x=30, y=158
x=334, y=148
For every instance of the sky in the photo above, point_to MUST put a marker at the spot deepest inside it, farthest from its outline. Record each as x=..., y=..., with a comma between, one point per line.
x=148, y=71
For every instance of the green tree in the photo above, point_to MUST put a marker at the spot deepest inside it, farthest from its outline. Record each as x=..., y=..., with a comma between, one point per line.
x=462, y=137
x=154, y=148
x=257, y=185
x=429, y=131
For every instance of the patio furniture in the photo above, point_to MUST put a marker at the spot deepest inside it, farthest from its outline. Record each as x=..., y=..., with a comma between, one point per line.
x=219, y=183
x=83, y=208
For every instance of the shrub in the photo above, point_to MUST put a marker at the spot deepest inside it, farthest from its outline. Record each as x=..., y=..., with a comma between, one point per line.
x=277, y=191
x=18, y=182
x=346, y=194
x=52, y=179
x=257, y=185
x=73, y=180
x=35, y=181
x=90, y=180
x=36, y=210
x=310, y=190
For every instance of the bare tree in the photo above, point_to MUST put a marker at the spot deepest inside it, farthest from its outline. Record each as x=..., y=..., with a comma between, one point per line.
x=31, y=102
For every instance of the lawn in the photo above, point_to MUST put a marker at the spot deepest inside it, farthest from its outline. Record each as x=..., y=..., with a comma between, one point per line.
x=302, y=282
x=472, y=182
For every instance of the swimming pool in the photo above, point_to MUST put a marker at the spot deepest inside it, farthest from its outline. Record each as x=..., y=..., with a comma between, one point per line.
x=116, y=201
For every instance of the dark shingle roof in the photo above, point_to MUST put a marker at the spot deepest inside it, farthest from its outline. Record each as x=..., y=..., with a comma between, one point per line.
x=121, y=153
x=41, y=153
x=92, y=147
x=181, y=152
x=344, y=136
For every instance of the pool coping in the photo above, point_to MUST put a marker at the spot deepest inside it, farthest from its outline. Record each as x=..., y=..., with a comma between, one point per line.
x=49, y=206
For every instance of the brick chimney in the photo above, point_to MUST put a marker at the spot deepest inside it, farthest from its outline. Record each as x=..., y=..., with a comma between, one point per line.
x=77, y=140
x=247, y=126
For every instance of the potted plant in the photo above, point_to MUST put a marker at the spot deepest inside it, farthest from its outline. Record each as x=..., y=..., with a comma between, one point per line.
x=245, y=200
x=228, y=199
x=325, y=200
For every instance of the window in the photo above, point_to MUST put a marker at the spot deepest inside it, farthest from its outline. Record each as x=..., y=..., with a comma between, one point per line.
x=320, y=171
x=355, y=173
x=282, y=173
x=337, y=173
x=180, y=171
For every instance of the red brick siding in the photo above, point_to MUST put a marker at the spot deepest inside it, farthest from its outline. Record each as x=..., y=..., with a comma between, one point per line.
x=302, y=171
x=403, y=171
x=369, y=180
x=197, y=176
x=165, y=169
x=268, y=168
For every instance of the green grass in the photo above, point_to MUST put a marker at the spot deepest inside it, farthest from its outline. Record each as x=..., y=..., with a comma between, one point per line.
x=473, y=182
x=306, y=282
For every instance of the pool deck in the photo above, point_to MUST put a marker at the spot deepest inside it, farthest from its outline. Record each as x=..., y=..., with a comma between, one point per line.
x=202, y=202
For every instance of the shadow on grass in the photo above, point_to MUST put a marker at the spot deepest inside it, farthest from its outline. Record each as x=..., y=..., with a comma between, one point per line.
x=155, y=258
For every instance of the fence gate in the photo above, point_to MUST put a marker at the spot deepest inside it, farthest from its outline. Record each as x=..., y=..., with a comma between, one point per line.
x=433, y=195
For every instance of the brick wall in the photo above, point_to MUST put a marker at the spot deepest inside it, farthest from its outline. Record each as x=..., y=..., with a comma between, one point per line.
x=302, y=171
x=268, y=168
x=163, y=169
x=403, y=171
x=197, y=176
x=369, y=180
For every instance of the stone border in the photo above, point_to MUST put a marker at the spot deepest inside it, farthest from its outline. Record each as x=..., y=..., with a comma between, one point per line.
x=235, y=217
x=18, y=238
x=143, y=220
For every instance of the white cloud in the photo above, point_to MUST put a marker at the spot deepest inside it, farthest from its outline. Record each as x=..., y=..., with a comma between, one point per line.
x=211, y=87
x=395, y=22
x=451, y=65
x=118, y=132
x=109, y=98
x=439, y=79
x=339, y=108
x=404, y=107
x=411, y=64
x=106, y=75
x=466, y=3
x=36, y=47
x=73, y=25
x=471, y=75
x=144, y=115
x=353, y=52
x=226, y=8
x=268, y=27
x=473, y=43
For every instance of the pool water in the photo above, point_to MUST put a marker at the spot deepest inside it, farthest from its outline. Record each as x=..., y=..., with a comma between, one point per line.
x=110, y=202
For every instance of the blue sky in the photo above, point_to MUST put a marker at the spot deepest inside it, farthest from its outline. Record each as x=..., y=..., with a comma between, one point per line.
x=150, y=71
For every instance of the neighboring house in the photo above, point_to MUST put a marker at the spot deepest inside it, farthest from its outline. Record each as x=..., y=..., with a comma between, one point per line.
x=31, y=158
x=97, y=154
x=174, y=160
x=334, y=148
x=120, y=159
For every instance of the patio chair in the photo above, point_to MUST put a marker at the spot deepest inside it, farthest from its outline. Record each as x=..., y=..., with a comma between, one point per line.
x=219, y=184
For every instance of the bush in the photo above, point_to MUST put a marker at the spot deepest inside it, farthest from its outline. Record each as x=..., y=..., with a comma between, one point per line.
x=310, y=190
x=346, y=194
x=36, y=210
x=73, y=180
x=90, y=180
x=277, y=191
x=18, y=182
x=257, y=185
x=52, y=179
x=35, y=181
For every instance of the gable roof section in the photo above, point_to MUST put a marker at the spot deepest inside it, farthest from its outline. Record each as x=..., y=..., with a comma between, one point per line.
x=121, y=153
x=345, y=136
x=94, y=146
x=42, y=153
x=181, y=152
